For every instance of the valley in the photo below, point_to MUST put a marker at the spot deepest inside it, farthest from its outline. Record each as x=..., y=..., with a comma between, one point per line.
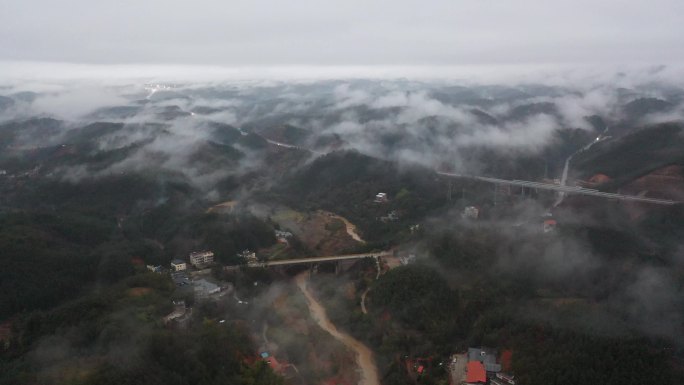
x=306, y=233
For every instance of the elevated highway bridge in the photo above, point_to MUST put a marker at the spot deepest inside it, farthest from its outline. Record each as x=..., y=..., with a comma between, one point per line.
x=562, y=189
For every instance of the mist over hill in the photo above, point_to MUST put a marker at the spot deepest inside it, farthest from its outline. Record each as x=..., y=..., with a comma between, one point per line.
x=98, y=181
x=466, y=128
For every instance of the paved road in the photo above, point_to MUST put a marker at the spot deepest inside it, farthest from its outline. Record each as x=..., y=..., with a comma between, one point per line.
x=291, y=146
x=564, y=189
x=566, y=167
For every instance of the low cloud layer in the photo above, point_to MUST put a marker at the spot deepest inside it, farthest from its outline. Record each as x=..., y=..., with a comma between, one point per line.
x=448, y=124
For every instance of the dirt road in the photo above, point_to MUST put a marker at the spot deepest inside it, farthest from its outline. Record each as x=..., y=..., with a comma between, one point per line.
x=364, y=356
x=351, y=228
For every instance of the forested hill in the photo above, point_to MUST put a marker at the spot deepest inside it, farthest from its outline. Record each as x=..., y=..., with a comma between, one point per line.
x=629, y=157
x=346, y=182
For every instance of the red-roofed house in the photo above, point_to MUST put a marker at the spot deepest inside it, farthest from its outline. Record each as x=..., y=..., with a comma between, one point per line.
x=475, y=373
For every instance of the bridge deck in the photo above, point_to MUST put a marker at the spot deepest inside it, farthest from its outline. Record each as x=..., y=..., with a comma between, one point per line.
x=326, y=259
x=331, y=258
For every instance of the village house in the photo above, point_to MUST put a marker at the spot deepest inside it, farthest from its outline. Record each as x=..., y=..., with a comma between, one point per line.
x=282, y=236
x=380, y=198
x=249, y=257
x=482, y=364
x=486, y=356
x=390, y=217
x=154, y=269
x=201, y=258
x=179, y=265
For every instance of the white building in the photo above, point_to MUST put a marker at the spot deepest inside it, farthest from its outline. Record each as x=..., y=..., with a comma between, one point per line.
x=407, y=259
x=200, y=258
x=381, y=197
x=179, y=265
x=390, y=217
x=284, y=234
x=471, y=212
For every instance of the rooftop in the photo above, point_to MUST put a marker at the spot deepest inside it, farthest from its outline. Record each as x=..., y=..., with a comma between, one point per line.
x=201, y=253
x=476, y=372
x=486, y=356
x=205, y=285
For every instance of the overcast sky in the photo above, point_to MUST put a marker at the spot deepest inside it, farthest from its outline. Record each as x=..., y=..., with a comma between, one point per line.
x=343, y=32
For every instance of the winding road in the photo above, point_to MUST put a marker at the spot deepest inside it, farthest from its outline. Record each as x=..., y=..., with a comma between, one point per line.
x=364, y=356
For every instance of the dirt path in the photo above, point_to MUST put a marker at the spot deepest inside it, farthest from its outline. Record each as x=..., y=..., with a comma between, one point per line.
x=228, y=205
x=351, y=228
x=364, y=356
